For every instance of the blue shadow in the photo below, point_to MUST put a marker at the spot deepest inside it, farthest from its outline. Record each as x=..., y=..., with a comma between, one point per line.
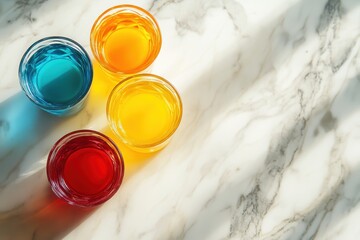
x=22, y=126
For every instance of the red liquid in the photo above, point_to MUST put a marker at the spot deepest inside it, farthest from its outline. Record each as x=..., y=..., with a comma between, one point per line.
x=85, y=168
x=88, y=171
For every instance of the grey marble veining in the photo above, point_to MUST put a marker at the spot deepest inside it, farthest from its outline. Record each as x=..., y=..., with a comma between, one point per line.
x=268, y=145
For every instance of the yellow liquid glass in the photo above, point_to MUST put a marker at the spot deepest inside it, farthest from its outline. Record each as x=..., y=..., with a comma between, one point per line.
x=125, y=39
x=144, y=111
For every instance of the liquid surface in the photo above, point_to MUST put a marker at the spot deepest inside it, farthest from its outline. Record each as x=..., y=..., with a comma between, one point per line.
x=126, y=49
x=88, y=171
x=59, y=81
x=143, y=113
x=127, y=42
x=145, y=117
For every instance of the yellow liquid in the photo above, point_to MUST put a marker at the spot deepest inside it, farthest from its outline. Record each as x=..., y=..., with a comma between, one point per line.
x=144, y=113
x=145, y=117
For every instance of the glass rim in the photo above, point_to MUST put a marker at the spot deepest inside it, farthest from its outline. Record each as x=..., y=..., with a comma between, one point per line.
x=58, y=184
x=119, y=9
x=146, y=77
x=24, y=82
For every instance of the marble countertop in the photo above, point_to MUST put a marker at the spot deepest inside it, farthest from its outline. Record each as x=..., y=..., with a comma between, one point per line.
x=269, y=145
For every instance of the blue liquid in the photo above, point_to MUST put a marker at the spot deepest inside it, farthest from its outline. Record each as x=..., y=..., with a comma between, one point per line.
x=59, y=81
x=56, y=76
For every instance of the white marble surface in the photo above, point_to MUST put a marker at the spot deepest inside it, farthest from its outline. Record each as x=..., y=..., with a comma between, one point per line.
x=269, y=145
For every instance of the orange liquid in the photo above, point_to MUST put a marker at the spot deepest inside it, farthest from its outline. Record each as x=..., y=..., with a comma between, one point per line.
x=125, y=42
x=126, y=49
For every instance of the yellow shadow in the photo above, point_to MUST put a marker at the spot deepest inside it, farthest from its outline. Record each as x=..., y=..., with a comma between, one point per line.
x=100, y=90
x=102, y=85
x=133, y=160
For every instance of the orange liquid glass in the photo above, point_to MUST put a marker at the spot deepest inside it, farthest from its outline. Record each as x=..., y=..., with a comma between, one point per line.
x=125, y=39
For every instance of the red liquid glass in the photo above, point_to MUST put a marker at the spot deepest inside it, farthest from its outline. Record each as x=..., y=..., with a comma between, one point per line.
x=85, y=168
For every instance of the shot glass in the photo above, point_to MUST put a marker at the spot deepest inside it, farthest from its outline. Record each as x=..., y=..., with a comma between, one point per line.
x=125, y=39
x=144, y=111
x=56, y=74
x=85, y=168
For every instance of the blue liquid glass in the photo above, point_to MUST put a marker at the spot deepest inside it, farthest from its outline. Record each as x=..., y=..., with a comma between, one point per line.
x=56, y=74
